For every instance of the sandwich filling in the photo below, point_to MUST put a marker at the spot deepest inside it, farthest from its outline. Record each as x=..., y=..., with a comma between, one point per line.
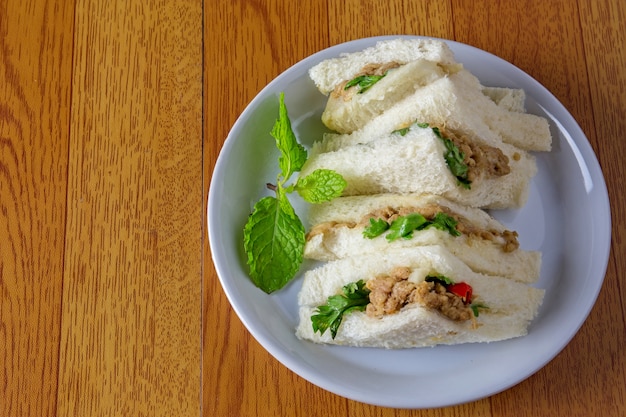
x=475, y=159
x=368, y=76
x=506, y=239
x=481, y=159
x=391, y=292
x=388, y=293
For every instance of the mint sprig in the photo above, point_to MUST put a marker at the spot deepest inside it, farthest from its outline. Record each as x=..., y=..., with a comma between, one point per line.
x=274, y=236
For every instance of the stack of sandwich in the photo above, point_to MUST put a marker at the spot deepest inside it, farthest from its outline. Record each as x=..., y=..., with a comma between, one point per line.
x=425, y=149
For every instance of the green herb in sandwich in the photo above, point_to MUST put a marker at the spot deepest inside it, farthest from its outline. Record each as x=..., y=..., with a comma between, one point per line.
x=476, y=307
x=453, y=156
x=442, y=279
x=274, y=236
x=354, y=297
x=364, y=82
x=455, y=160
x=376, y=228
x=404, y=226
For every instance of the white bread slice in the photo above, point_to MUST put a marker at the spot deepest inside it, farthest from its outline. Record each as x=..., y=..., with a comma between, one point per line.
x=329, y=73
x=511, y=99
x=345, y=238
x=458, y=103
x=414, y=163
x=512, y=305
x=349, y=111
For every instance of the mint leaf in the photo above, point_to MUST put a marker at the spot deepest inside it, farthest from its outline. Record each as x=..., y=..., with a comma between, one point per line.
x=403, y=226
x=274, y=241
x=376, y=228
x=320, y=185
x=293, y=155
x=365, y=82
x=355, y=297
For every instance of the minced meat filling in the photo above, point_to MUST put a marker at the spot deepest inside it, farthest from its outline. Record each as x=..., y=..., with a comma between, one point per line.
x=507, y=239
x=479, y=158
x=389, y=293
x=434, y=295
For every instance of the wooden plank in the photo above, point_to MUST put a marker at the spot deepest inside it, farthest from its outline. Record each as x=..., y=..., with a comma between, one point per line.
x=35, y=77
x=355, y=19
x=130, y=341
x=247, y=44
x=605, y=41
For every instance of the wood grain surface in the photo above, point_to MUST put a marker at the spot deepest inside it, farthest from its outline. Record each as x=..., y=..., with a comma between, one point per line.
x=102, y=208
x=112, y=115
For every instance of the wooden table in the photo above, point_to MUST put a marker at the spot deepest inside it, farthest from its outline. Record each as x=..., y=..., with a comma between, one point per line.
x=112, y=114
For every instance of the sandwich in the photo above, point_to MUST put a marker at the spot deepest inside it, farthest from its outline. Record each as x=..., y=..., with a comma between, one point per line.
x=369, y=225
x=419, y=79
x=429, y=159
x=411, y=297
x=364, y=84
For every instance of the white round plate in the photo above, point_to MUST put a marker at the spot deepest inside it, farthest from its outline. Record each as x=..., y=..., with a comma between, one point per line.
x=567, y=217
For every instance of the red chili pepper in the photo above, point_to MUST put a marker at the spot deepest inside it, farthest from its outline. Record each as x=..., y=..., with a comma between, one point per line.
x=463, y=290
